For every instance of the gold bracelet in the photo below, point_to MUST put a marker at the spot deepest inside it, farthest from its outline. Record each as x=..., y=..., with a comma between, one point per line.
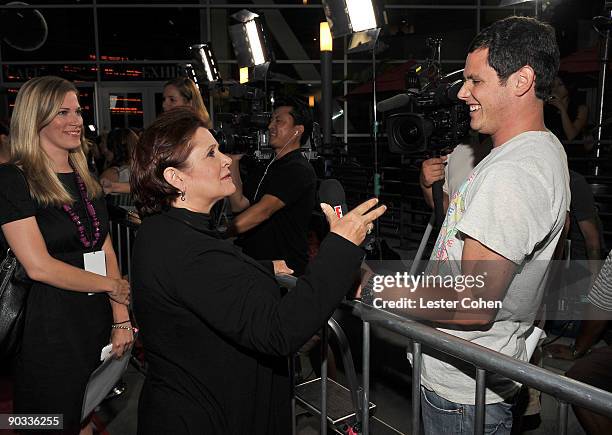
x=127, y=328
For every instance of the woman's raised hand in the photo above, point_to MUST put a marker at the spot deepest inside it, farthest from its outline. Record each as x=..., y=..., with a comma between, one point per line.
x=357, y=223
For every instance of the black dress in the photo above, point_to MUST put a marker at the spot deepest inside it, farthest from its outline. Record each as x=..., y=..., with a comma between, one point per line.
x=64, y=330
x=215, y=328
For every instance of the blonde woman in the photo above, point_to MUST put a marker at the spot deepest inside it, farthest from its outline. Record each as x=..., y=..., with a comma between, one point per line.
x=181, y=92
x=53, y=217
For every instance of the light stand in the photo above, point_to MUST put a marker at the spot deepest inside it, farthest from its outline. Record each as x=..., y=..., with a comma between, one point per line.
x=326, y=46
x=251, y=45
x=602, y=24
x=359, y=20
x=204, y=71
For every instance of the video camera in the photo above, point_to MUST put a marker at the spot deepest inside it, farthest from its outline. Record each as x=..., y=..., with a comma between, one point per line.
x=431, y=120
x=428, y=118
x=242, y=133
x=245, y=133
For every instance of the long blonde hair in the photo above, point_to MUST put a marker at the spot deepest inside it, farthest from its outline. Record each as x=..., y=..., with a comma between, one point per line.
x=38, y=102
x=190, y=92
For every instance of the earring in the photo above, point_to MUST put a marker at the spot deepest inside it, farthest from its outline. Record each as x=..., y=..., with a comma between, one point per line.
x=182, y=195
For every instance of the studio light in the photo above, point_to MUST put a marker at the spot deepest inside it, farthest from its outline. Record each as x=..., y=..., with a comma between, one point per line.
x=349, y=16
x=357, y=18
x=251, y=44
x=205, y=62
x=249, y=40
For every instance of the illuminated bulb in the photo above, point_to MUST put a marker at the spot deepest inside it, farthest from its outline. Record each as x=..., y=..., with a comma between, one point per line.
x=254, y=42
x=244, y=75
x=361, y=13
x=325, y=37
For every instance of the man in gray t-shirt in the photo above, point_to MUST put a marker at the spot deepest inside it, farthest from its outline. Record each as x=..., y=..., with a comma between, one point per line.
x=505, y=220
x=502, y=224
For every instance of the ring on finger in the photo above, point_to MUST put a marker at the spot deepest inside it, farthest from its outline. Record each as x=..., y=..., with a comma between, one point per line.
x=370, y=228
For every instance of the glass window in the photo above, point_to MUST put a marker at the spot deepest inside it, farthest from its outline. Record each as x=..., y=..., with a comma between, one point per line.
x=23, y=73
x=164, y=34
x=280, y=2
x=86, y=100
x=148, y=72
x=529, y=5
x=69, y=36
x=203, y=2
x=68, y=3
x=304, y=25
x=408, y=31
x=126, y=109
x=488, y=17
x=434, y=2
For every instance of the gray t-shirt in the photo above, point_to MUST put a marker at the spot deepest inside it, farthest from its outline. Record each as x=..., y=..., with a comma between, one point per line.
x=514, y=202
x=462, y=161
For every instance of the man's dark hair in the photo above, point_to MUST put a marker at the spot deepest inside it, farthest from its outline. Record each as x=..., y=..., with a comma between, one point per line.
x=300, y=113
x=515, y=42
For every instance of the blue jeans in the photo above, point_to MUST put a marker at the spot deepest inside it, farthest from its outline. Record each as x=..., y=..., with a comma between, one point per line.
x=441, y=416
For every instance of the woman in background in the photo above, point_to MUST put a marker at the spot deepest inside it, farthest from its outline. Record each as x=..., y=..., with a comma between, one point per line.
x=116, y=178
x=183, y=92
x=214, y=326
x=566, y=113
x=53, y=216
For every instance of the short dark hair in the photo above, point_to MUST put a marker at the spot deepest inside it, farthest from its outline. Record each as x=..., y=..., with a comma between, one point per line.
x=518, y=41
x=300, y=113
x=165, y=143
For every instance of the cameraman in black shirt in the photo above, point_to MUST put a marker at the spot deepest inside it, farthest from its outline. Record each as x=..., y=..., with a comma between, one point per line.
x=276, y=206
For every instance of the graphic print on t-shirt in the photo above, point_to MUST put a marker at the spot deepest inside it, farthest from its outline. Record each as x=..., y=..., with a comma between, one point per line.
x=456, y=207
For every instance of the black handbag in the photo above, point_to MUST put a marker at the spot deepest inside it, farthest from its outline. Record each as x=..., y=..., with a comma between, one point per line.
x=14, y=289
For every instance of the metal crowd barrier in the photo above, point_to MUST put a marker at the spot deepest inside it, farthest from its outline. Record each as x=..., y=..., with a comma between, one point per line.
x=565, y=390
x=122, y=233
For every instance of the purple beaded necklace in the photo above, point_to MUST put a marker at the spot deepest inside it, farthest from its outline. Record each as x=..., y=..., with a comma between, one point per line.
x=91, y=211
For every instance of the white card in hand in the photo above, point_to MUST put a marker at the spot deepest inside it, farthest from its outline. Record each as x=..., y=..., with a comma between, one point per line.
x=106, y=352
x=95, y=262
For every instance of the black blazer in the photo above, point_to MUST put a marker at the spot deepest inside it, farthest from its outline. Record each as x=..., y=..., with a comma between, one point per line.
x=214, y=326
